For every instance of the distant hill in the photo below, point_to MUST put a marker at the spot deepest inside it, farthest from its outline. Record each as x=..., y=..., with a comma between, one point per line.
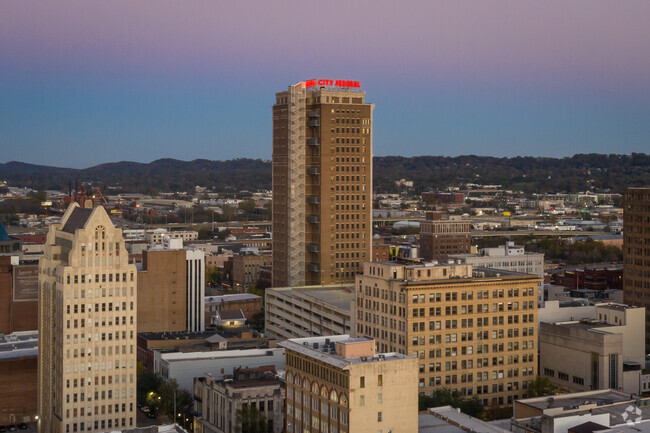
x=530, y=174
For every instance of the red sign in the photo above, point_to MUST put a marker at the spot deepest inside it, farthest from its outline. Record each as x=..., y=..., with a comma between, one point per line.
x=332, y=83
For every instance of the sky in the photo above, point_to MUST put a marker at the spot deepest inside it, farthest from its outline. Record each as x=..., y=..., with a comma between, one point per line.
x=88, y=82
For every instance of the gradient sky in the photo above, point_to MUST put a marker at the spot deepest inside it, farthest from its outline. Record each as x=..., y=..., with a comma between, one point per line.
x=87, y=82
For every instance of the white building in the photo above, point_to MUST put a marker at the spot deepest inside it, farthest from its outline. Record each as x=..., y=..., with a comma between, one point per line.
x=185, y=366
x=588, y=354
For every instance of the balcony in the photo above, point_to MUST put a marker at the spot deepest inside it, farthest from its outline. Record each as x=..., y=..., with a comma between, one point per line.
x=313, y=267
x=313, y=171
x=313, y=219
x=312, y=199
x=312, y=248
x=314, y=122
x=314, y=114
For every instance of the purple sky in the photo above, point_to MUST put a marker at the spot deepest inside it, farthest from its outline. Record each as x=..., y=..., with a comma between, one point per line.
x=142, y=80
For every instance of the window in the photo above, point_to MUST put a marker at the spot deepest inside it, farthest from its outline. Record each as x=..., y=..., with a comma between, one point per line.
x=380, y=380
x=362, y=400
x=378, y=416
x=362, y=382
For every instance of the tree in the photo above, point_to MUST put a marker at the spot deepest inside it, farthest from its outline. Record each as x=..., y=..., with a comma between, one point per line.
x=447, y=397
x=171, y=392
x=147, y=382
x=540, y=387
x=251, y=420
x=212, y=275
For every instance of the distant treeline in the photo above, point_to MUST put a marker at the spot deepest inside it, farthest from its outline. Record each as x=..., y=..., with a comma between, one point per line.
x=528, y=174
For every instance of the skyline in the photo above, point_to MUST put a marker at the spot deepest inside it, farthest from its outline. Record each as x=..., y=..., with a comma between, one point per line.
x=83, y=86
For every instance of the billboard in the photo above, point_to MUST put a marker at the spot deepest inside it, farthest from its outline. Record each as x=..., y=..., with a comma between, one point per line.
x=25, y=282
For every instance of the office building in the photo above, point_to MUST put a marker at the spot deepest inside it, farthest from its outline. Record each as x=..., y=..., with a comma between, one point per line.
x=472, y=330
x=246, y=266
x=87, y=326
x=440, y=238
x=339, y=384
x=171, y=289
x=217, y=402
x=322, y=183
x=308, y=311
x=636, y=252
x=587, y=354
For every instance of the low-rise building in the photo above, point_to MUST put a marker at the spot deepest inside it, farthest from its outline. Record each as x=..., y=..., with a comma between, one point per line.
x=218, y=404
x=156, y=236
x=308, y=311
x=185, y=366
x=589, y=354
x=339, y=384
x=246, y=265
x=568, y=412
x=248, y=303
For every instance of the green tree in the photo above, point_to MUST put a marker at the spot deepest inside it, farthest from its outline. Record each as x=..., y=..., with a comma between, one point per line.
x=171, y=392
x=447, y=397
x=251, y=420
x=212, y=275
x=147, y=382
x=540, y=387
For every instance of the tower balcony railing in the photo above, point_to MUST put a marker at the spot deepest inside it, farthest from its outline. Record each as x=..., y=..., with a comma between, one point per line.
x=313, y=141
x=312, y=248
x=314, y=122
x=313, y=267
x=313, y=171
x=312, y=199
x=314, y=114
x=313, y=219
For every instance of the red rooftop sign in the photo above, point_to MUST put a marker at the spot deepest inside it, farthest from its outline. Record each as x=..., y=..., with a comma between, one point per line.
x=330, y=83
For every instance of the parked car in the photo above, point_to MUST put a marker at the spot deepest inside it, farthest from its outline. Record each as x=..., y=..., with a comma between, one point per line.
x=145, y=409
x=22, y=426
x=3, y=428
x=11, y=427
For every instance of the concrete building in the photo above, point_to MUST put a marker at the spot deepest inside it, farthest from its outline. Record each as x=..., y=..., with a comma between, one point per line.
x=87, y=326
x=579, y=412
x=322, y=183
x=510, y=257
x=156, y=236
x=308, y=311
x=246, y=265
x=171, y=289
x=472, y=330
x=339, y=384
x=599, y=353
x=439, y=238
x=447, y=419
x=18, y=377
x=636, y=255
x=185, y=366
x=217, y=402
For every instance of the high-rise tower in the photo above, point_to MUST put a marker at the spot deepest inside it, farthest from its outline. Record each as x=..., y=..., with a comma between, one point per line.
x=87, y=326
x=322, y=182
x=636, y=251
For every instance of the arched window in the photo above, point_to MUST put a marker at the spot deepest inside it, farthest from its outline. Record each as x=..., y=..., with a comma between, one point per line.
x=344, y=400
x=290, y=377
x=314, y=388
x=334, y=396
x=323, y=391
x=305, y=384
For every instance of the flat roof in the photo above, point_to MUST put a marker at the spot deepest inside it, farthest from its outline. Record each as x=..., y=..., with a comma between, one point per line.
x=336, y=295
x=19, y=345
x=320, y=348
x=230, y=298
x=454, y=417
x=566, y=401
x=217, y=354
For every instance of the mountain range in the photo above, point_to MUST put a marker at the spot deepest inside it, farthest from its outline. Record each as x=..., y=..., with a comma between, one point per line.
x=531, y=174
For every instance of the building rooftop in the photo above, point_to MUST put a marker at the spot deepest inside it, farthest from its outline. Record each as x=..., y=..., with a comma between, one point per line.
x=324, y=349
x=230, y=298
x=577, y=399
x=217, y=354
x=336, y=295
x=77, y=219
x=18, y=345
x=446, y=419
x=183, y=335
